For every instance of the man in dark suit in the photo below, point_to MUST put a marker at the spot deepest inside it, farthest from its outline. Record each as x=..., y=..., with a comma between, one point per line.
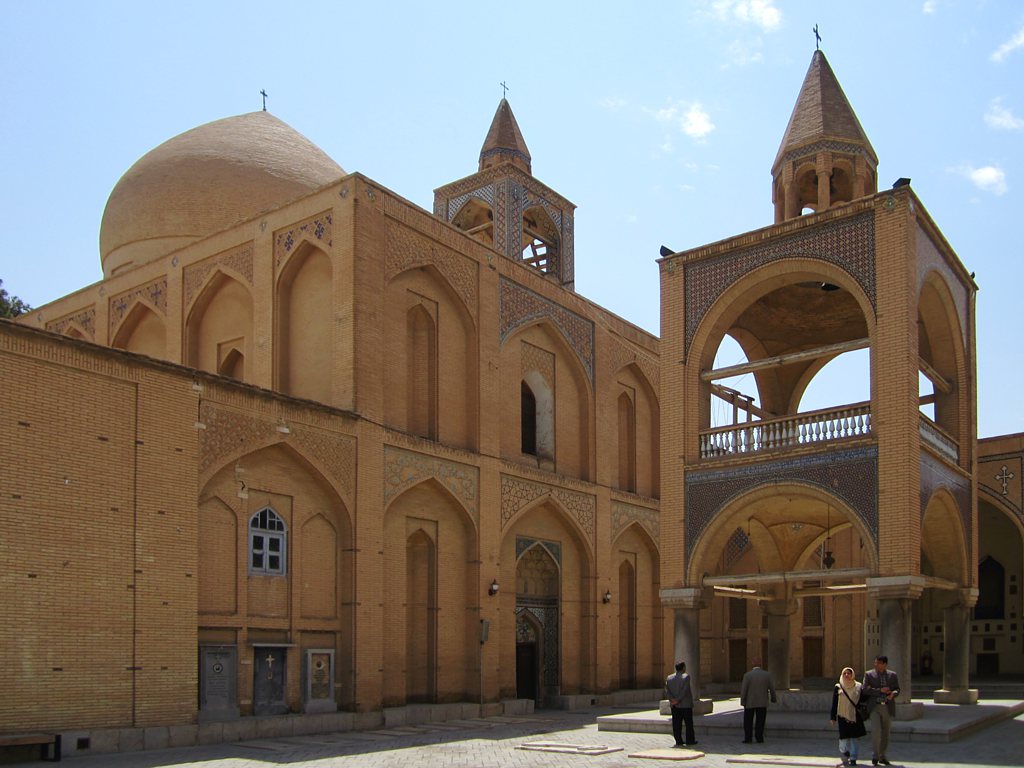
x=882, y=685
x=755, y=693
x=680, y=697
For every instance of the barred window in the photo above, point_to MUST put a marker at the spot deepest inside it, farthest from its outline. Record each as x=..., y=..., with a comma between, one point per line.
x=268, y=539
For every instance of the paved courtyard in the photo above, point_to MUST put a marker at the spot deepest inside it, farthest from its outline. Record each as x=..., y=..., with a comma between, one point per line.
x=494, y=741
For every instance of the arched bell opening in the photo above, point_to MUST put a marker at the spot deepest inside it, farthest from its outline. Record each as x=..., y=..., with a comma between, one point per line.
x=765, y=346
x=540, y=241
x=476, y=219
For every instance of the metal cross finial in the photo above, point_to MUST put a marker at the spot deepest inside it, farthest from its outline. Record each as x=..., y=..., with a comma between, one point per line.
x=817, y=39
x=263, y=93
x=504, y=89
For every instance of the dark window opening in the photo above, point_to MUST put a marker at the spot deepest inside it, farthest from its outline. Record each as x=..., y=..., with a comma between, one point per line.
x=528, y=412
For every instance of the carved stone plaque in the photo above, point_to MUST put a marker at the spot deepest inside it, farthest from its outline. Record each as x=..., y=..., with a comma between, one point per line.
x=218, y=682
x=319, y=676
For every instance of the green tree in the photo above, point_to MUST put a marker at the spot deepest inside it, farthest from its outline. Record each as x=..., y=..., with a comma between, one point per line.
x=11, y=306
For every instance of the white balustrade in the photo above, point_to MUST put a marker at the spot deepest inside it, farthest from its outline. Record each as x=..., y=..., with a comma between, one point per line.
x=801, y=429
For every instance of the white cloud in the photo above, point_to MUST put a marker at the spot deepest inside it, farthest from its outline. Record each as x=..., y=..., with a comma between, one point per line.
x=689, y=117
x=988, y=178
x=763, y=13
x=929, y=6
x=1004, y=50
x=741, y=53
x=612, y=103
x=697, y=123
x=1001, y=118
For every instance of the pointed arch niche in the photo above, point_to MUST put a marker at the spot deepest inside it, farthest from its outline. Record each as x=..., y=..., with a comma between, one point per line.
x=640, y=619
x=430, y=369
x=567, y=648
x=421, y=369
x=305, y=313
x=424, y=527
x=219, y=328
x=558, y=386
x=142, y=331
x=314, y=595
x=637, y=447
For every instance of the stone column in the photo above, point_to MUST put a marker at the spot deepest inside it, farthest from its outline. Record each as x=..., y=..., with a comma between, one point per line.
x=823, y=163
x=894, y=596
x=686, y=604
x=791, y=205
x=779, y=611
x=956, y=660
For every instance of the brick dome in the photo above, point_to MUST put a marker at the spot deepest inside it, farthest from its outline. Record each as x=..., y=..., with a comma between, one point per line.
x=205, y=180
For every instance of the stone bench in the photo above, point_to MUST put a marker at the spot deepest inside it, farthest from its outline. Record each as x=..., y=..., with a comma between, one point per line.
x=49, y=743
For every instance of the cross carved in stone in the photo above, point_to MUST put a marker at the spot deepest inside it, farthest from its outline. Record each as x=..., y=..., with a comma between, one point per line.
x=1004, y=477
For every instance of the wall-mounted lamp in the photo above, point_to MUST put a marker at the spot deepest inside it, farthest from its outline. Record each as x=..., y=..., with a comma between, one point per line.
x=493, y=589
x=607, y=596
x=283, y=428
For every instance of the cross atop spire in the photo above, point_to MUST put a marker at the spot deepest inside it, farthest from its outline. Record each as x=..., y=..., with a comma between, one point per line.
x=817, y=39
x=504, y=90
x=263, y=93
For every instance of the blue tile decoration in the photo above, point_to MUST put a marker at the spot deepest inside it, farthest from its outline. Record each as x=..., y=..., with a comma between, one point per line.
x=850, y=475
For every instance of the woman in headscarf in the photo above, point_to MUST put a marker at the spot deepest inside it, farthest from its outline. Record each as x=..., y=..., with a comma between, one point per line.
x=844, y=712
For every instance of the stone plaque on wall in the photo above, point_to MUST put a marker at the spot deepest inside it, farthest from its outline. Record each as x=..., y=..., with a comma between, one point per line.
x=218, y=682
x=319, y=675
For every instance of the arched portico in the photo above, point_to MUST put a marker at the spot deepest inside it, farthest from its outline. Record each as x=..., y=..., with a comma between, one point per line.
x=783, y=546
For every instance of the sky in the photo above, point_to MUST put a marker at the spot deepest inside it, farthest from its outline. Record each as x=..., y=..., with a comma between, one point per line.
x=659, y=120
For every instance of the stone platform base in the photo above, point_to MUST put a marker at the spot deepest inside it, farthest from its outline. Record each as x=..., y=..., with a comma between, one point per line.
x=959, y=696
x=700, y=707
x=940, y=723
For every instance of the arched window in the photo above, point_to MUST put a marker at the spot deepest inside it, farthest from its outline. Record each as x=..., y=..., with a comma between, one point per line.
x=528, y=412
x=991, y=590
x=268, y=540
x=537, y=416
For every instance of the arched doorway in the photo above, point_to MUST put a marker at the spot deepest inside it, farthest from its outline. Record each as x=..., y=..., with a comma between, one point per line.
x=529, y=642
x=538, y=589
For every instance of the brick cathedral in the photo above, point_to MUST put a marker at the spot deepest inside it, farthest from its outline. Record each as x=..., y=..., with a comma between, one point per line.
x=310, y=449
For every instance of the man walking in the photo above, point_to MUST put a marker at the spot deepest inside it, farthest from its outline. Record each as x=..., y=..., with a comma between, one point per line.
x=755, y=693
x=680, y=698
x=883, y=686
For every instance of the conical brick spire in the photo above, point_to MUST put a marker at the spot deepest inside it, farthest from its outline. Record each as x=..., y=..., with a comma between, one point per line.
x=504, y=142
x=824, y=140
x=822, y=111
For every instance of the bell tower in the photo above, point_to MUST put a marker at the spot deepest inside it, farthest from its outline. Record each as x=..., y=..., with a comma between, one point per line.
x=825, y=158
x=503, y=206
